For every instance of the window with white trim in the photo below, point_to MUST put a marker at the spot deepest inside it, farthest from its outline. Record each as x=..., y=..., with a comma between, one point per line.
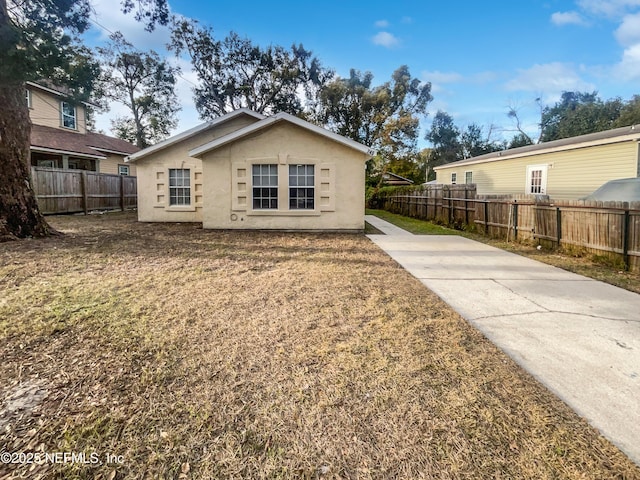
x=537, y=179
x=468, y=177
x=179, y=186
x=68, y=112
x=454, y=178
x=28, y=97
x=265, y=186
x=123, y=169
x=301, y=187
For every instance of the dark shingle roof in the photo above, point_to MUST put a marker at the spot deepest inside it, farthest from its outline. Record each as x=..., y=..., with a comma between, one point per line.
x=91, y=143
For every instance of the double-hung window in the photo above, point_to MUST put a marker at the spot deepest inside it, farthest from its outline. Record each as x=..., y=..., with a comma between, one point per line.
x=468, y=177
x=265, y=186
x=123, y=169
x=179, y=186
x=68, y=112
x=301, y=187
x=454, y=178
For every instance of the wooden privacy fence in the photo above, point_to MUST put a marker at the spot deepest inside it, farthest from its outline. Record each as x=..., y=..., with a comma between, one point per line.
x=72, y=191
x=605, y=228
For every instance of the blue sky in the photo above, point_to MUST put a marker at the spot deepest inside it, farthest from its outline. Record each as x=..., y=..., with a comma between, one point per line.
x=481, y=57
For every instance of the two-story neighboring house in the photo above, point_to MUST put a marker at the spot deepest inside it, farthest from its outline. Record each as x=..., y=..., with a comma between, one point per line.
x=60, y=139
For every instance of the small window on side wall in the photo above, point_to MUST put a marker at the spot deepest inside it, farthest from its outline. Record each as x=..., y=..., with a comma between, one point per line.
x=454, y=178
x=468, y=177
x=28, y=97
x=123, y=169
x=68, y=112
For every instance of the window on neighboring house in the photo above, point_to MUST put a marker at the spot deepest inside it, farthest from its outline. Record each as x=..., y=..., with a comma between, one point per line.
x=179, y=186
x=123, y=169
x=537, y=179
x=301, y=187
x=468, y=177
x=68, y=112
x=28, y=97
x=265, y=186
x=535, y=185
x=454, y=178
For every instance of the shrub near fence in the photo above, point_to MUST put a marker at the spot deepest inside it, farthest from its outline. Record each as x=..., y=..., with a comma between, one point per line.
x=602, y=228
x=72, y=191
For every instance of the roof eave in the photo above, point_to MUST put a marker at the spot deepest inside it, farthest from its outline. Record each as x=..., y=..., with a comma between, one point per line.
x=191, y=132
x=262, y=124
x=58, y=151
x=504, y=155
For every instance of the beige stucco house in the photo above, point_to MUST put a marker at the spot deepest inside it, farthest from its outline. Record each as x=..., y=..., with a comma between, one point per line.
x=60, y=138
x=247, y=171
x=564, y=169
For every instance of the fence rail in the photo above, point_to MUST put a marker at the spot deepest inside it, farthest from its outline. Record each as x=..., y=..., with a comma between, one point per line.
x=72, y=191
x=604, y=228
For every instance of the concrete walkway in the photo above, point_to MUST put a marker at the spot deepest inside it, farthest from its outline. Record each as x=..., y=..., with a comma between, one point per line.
x=577, y=336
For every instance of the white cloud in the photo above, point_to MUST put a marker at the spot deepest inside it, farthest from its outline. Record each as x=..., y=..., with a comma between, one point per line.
x=628, y=33
x=437, y=77
x=381, y=24
x=629, y=67
x=385, y=39
x=551, y=79
x=567, y=18
x=609, y=8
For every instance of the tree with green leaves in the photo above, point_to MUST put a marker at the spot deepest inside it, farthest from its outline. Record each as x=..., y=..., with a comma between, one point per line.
x=520, y=140
x=235, y=73
x=630, y=113
x=385, y=117
x=474, y=143
x=39, y=40
x=445, y=138
x=579, y=113
x=145, y=84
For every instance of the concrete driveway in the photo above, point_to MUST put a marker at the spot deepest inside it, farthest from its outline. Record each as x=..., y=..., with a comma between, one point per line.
x=577, y=336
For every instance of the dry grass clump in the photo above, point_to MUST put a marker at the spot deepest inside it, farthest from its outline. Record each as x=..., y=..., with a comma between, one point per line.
x=200, y=354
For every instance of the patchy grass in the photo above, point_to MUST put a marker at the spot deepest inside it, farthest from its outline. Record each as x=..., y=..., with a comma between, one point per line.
x=186, y=353
x=571, y=259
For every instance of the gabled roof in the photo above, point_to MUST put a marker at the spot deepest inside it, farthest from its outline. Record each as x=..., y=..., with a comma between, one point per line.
x=56, y=140
x=50, y=87
x=623, y=134
x=270, y=121
x=193, y=131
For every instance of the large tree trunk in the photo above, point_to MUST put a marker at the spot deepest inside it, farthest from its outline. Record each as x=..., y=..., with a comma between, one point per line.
x=19, y=213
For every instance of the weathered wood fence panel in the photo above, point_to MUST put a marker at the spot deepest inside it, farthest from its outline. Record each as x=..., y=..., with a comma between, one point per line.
x=72, y=191
x=603, y=228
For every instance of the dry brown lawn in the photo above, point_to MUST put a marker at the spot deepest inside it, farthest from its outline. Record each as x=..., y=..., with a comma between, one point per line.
x=204, y=354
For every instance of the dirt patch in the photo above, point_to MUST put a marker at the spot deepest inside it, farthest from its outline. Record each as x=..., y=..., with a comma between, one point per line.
x=173, y=352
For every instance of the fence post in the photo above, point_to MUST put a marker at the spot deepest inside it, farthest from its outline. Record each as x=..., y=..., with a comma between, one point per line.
x=558, y=224
x=466, y=207
x=122, y=193
x=515, y=220
x=85, y=193
x=486, y=217
x=625, y=239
